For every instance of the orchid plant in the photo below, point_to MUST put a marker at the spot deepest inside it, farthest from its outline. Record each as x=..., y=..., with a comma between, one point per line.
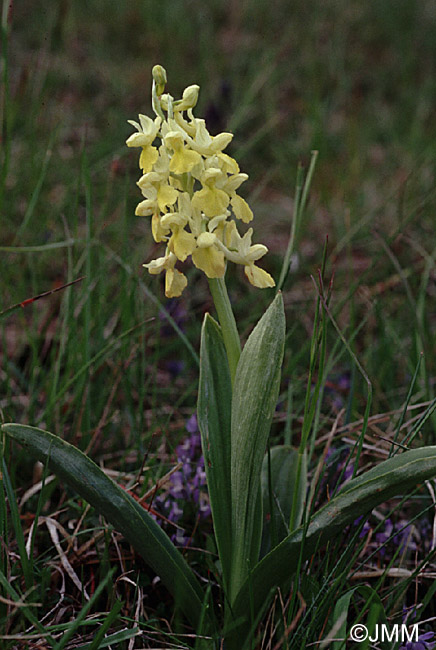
x=190, y=191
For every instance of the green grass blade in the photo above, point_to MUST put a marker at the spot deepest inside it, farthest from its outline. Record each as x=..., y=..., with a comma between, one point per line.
x=110, y=618
x=16, y=522
x=300, y=200
x=116, y=637
x=150, y=296
x=291, y=244
x=395, y=476
x=38, y=187
x=75, y=625
x=214, y=420
x=119, y=508
x=95, y=360
x=340, y=614
x=406, y=404
x=43, y=248
x=255, y=394
x=25, y=609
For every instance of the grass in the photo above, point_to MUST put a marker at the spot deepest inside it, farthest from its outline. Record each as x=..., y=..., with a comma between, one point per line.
x=92, y=361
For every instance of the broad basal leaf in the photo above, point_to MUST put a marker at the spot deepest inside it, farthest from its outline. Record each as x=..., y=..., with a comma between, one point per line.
x=255, y=394
x=119, y=508
x=214, y=414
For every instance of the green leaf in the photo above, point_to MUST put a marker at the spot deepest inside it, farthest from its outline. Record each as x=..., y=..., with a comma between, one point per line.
x=117, y=637
x=376, y=614
x=255, y=394
x=279, y=482
x=214, y=416
x=119, y=508
x=340, y=614
x=393, y=477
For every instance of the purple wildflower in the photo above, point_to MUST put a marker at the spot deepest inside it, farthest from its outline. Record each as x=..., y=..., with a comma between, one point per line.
x=348, y=473
x=175, y=368
x=191, y=424
x=406, y=536
x=383, y=535
x=365, y=528
x=344, y=381
x=187, y=485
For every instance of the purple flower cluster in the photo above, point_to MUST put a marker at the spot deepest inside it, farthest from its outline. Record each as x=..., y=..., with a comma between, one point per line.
x=389, y=536
x=187, y=490
x=402, y=535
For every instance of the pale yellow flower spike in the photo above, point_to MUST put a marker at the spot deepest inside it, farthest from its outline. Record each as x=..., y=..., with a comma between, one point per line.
x=190, y=191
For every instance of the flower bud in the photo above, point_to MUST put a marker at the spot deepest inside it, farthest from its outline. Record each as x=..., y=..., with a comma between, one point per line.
x=220, y=141
x=160, y=78
x=166, y=100
x=189, y=98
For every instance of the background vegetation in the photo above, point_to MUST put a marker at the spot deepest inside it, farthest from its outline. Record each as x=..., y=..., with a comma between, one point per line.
x=108, y=363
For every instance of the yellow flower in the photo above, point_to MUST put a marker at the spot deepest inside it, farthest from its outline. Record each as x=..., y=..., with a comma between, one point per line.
x=148, y=157
x=210, y=260
x=204, y=143
x=159, y=193
x=147, y=131
x=183, y=159
x=258, y=277
x=161, y=264
x=182, y=243
x=241, y=208
x=231, y=184
x=145, y=208
x=228, y=164
x=211, y=200
x=189, y=99
x=207, y=257
x=175, y=282
x=158, y=231
x=240, y=248
x=166, y=196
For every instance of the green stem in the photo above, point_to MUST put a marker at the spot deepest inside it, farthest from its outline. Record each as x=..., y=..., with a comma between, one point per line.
x=227, y=321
